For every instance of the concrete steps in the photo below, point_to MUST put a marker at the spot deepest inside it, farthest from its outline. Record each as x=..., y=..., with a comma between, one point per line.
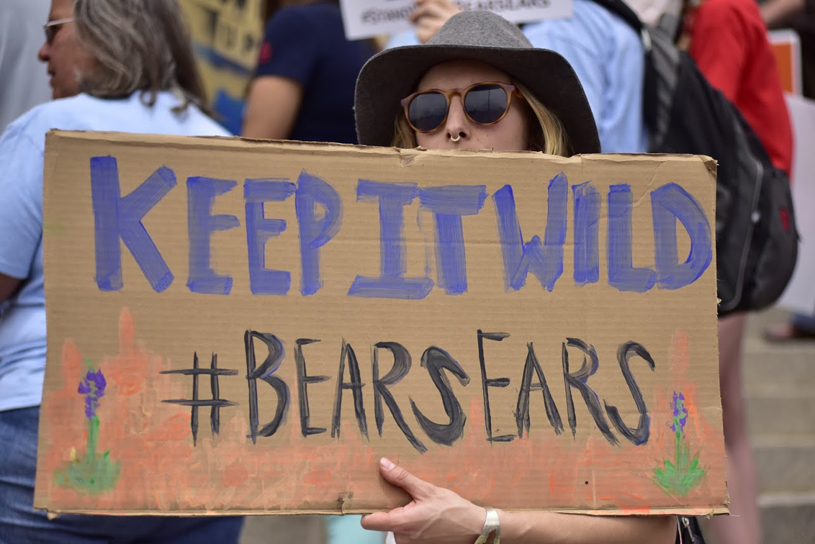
x=785, y=464
x=788, y=519
x=779, y=383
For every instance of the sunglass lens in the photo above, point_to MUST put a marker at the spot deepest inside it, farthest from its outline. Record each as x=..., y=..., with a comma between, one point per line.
x=427, y=111
x=486, y=104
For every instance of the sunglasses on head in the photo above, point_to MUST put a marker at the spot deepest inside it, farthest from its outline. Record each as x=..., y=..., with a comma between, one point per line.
x=483, y=103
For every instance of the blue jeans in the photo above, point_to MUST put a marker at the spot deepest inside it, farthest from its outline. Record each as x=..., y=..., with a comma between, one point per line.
x=804, y=323
x=21, y=524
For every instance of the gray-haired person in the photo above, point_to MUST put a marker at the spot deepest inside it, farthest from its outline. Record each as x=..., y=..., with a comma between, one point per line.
x=115, y=65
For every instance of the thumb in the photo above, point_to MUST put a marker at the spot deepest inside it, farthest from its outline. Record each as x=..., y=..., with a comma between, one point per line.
x=396, y=475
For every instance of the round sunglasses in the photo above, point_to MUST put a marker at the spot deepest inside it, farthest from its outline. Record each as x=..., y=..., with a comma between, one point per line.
x=484, y=104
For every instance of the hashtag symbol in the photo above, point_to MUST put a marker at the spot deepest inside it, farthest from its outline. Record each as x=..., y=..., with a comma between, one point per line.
x=215, y=403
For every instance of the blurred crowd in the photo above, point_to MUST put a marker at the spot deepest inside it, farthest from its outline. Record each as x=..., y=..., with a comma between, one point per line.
x=132, y=69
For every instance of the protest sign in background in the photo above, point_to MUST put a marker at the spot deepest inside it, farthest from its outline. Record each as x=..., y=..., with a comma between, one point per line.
x=800, y=293
x=248, y=327
x=369, y=18
x=226, y=37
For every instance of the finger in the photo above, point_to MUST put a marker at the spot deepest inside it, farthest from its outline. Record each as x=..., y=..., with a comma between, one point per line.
x=378, y=521
x=424, y=10
x=427, y=27
x=435, y=10
x=445, y=4
x=416, y=487
x=383, y=521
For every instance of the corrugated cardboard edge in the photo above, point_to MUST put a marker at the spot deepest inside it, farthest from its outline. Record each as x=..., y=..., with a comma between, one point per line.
x=699, y=512
x=406, y=155
x=52, y=152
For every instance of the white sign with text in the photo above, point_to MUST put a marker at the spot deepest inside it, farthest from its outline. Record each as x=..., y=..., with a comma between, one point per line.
x=368, y=18
x=800, y=294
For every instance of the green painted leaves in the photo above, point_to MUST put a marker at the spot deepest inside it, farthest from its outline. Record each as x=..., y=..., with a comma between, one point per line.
x=684, y=473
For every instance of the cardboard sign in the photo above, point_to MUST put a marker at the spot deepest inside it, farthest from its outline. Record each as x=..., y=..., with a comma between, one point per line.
x=240, y=326
x=369, y=18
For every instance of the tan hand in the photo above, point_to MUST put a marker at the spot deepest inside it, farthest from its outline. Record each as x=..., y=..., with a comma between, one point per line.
x=430, y=15
x=435, y=515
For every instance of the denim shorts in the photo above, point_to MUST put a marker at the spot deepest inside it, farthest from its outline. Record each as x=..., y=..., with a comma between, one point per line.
x=21, y=524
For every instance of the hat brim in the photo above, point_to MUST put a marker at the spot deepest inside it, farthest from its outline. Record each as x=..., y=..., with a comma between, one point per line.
x=393, y=74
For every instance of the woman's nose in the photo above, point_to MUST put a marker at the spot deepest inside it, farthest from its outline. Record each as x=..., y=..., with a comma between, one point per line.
x=457, y=125
x=44, y=54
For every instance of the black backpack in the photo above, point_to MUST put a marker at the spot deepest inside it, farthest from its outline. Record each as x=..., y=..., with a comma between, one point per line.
x=756, y=238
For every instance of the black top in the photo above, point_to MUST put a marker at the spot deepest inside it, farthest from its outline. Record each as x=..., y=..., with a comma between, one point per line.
x=307, y=44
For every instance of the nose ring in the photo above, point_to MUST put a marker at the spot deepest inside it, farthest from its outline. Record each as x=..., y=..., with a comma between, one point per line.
x=457, y=138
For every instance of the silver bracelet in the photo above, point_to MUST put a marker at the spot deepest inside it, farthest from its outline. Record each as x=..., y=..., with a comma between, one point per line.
x=492, y=527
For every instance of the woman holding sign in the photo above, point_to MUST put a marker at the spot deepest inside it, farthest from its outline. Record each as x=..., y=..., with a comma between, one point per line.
x=479, y=84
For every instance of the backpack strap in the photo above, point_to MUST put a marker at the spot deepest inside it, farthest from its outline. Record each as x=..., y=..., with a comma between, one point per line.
x=621, y=9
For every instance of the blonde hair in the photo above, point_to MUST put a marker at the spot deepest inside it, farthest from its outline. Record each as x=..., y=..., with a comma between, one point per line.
x=546, y=132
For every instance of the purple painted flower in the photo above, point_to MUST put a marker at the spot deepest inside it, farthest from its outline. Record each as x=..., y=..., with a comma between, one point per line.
x=680, y=415
x=93, y=387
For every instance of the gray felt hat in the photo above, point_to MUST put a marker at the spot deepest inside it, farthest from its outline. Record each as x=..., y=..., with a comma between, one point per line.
x=393, y=74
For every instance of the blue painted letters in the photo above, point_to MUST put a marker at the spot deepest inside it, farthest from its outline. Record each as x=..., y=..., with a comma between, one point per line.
x=621, y=271
x=315, y=232
x=669, y=204
x=586, y=234
x=448, y=203
x=319, y=211
x=120, y=217
x=544, y=261
x=259, y=229
x=393, y=197
x=201, y=193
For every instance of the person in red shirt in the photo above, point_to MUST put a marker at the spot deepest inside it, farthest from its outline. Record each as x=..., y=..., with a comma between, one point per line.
x=728, y=41
x=729, y=44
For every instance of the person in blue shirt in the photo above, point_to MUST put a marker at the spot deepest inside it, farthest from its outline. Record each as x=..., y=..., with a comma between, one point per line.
x=610, y=63
x=135, y=83
x=604, y=51
x=303, y=87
